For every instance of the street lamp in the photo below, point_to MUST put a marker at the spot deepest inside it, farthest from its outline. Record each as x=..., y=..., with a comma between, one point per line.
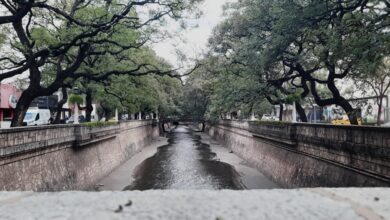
x=294, y=113
x=77, y=91
x=294, y=110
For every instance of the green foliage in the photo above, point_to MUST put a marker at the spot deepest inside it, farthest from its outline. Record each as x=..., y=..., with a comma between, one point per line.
x=133, y=94
x=274, y=123
x=216, y=89
x=99, y=124
x=262, y=107
x=291, y=98
x=43, y=37
x=75, y=99
x=285, y=44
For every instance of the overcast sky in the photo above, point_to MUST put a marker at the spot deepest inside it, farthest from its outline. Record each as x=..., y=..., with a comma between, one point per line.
x=193, y=41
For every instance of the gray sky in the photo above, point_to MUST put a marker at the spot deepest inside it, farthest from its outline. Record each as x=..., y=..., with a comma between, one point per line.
x=193, y=41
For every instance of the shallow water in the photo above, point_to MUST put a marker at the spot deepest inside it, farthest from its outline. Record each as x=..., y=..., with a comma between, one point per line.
x=185, y=163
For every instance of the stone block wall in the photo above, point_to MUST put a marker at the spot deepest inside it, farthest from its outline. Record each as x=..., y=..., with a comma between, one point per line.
x=67, y=157
x=311, y=155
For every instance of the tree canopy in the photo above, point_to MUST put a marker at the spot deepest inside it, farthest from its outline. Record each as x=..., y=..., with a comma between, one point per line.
x=298, y=46
x=69, y=40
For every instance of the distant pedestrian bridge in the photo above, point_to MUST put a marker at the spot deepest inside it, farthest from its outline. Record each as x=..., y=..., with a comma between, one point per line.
x=197, y=121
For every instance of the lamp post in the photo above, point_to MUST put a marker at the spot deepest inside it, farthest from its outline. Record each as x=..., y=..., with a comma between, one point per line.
x=116, y=115
x=294, y=113
x=294, y=110
x=76, y=114
x=77, y=91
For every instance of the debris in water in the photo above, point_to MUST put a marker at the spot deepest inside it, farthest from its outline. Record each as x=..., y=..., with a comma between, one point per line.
x=97, y=187
x=120, y=209
x=376, y=199
x=129, y=203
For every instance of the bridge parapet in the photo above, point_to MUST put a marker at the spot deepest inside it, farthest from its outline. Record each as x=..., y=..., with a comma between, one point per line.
x=20, y=140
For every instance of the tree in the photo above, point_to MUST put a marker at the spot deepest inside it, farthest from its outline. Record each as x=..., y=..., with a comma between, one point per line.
x=60, y=35
x=197, y=93
x=305, y=43
x=147, y=94
x=218, y=88
x=377, y=80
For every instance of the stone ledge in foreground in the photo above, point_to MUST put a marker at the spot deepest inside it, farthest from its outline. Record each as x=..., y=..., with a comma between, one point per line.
x=318, y=203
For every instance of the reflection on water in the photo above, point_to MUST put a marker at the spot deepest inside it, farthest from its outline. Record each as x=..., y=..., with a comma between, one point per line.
x=185, y=163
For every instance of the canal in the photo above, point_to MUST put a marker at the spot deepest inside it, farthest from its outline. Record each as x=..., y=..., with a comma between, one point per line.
x=185, y=159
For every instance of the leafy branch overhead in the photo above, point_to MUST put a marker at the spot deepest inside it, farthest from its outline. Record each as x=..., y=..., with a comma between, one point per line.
x=304, y=45
x=75, y=99
x=64, y=41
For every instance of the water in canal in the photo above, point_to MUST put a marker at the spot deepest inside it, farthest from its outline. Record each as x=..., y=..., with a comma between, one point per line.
x=185, y=163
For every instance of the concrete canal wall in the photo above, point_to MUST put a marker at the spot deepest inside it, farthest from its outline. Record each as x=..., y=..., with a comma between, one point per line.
x=310, y=155
x=68, y=157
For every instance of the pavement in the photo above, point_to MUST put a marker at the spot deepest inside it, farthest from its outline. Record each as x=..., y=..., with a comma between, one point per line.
x=283, y=204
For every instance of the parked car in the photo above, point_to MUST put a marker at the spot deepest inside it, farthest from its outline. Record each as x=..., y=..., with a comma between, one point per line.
x=35, y=116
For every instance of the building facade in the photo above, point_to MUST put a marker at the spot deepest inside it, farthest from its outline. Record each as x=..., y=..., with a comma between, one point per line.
x=9, y=96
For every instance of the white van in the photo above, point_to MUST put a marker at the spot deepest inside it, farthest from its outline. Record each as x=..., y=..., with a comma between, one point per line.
x=35, y=116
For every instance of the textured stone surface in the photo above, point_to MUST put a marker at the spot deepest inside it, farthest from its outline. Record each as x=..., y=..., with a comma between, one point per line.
x=306, y=155
x=300, y=204
x=66, y=165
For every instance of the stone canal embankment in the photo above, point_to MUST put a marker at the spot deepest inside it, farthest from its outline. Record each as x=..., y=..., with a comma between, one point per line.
x=310, y=155
x=68, y=157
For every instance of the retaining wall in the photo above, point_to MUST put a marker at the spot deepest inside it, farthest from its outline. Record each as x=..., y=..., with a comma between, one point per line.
x=68, y=157
x=311, y=155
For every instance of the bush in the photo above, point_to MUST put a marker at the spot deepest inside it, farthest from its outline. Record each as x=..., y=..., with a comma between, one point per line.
x=75, y=99
x=99, y=124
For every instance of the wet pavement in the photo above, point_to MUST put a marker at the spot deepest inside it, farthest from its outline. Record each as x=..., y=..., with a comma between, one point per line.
x=187, y=162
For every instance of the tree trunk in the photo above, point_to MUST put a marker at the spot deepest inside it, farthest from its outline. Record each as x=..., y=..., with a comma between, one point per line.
x=351, y=112
x=340, y=100
x=337, y=99
x=301, y=112
x=21, y=108
x=27, y=97
x=380, y=103
x=89, y=106
x=281, y=112
x=60, y=104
